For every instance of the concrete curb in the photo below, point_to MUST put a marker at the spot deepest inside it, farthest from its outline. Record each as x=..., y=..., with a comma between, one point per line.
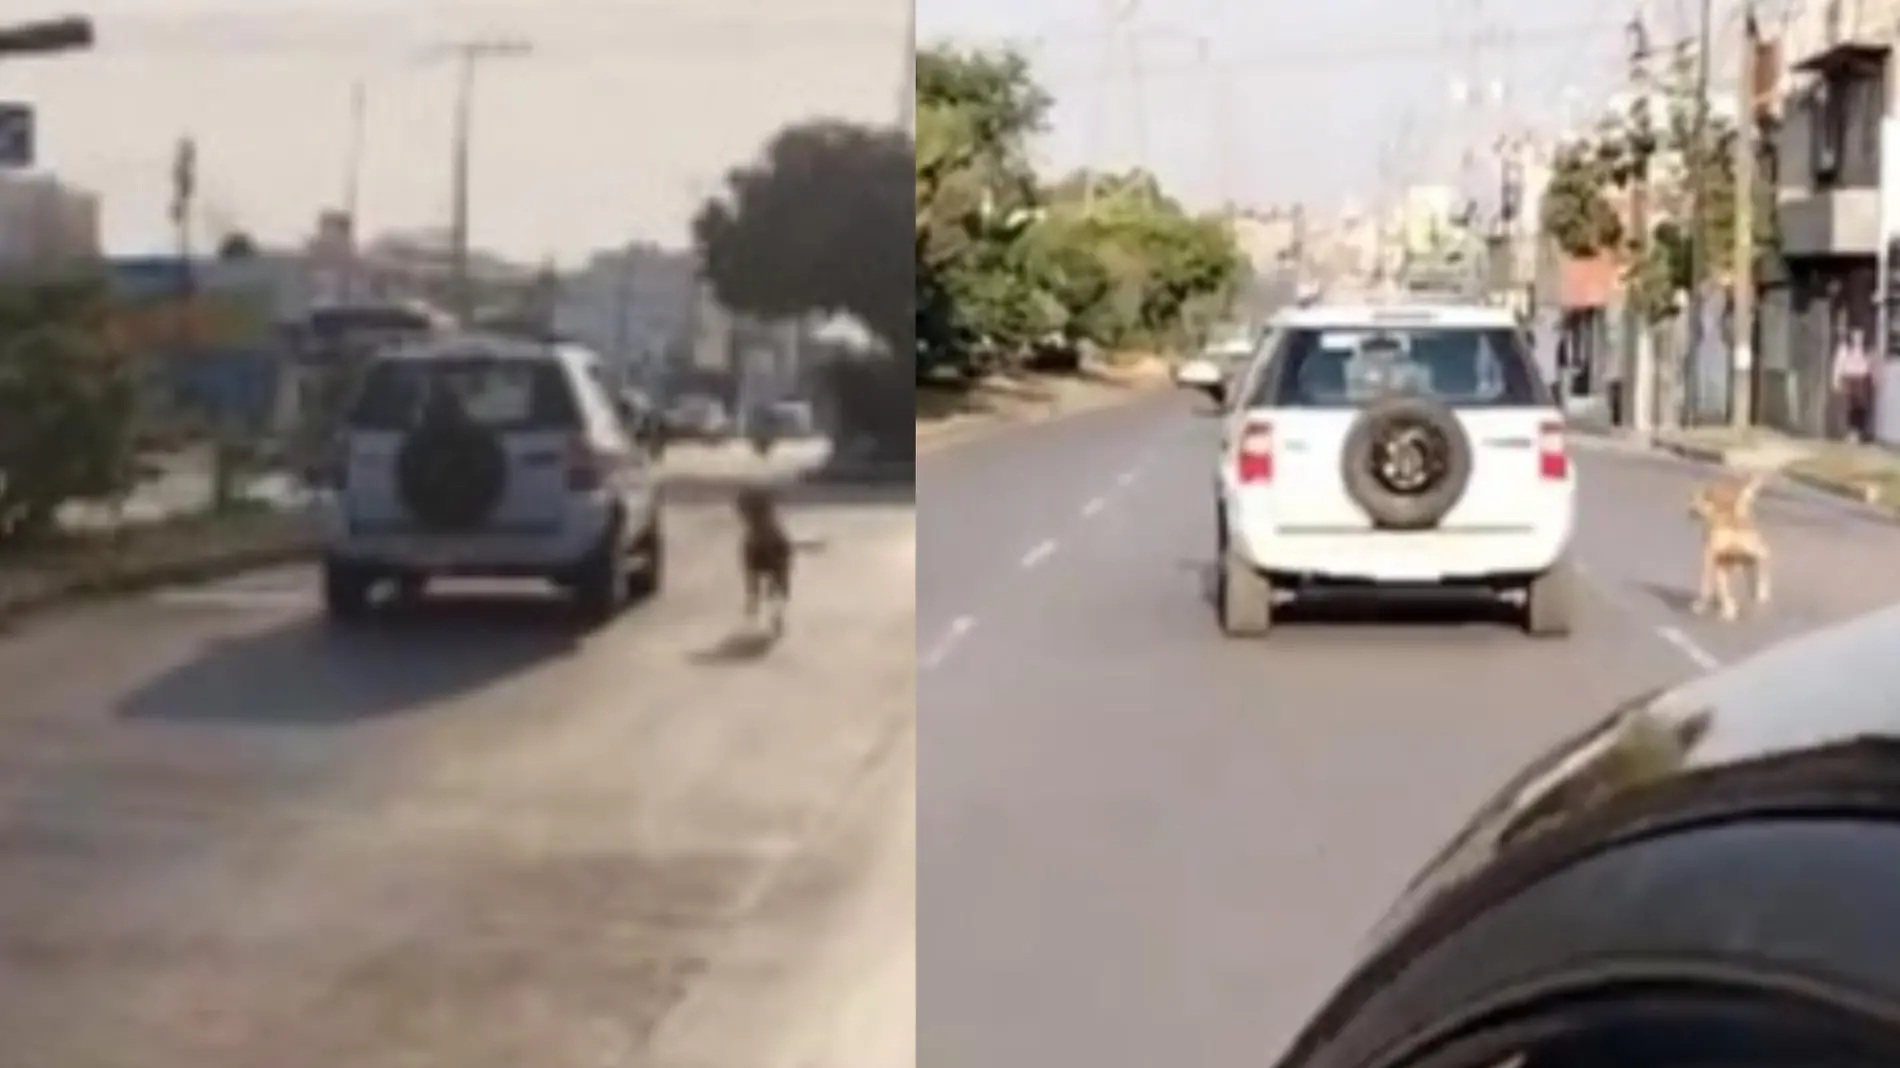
x=937, y=437
x=1716, y=456
x=109, y=577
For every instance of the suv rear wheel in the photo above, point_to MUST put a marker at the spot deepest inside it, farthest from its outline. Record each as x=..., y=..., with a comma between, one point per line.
x=645, y=580
x=1550, y=601
x=600, y=584
x=346, y=590
x=1243, y=599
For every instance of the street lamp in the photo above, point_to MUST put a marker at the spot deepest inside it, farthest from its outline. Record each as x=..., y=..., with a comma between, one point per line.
x=70, y=34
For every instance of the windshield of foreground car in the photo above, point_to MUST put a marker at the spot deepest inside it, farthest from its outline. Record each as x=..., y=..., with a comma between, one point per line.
x=1347, y=368
x=497, y=394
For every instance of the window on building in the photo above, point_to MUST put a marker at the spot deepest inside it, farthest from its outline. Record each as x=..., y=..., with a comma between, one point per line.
x=1826, y=127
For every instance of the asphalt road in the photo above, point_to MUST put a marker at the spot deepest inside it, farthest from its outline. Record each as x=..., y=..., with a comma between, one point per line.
x=1144, y=844
x=232, y=836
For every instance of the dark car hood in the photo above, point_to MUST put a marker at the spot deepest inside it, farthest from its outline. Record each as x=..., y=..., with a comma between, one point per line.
x=1812, y=694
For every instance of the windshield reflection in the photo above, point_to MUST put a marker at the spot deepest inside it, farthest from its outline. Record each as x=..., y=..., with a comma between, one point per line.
x=1648, y=740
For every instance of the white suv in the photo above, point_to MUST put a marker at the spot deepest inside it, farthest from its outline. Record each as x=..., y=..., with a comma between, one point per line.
x=480, y=456
x=1373, y=447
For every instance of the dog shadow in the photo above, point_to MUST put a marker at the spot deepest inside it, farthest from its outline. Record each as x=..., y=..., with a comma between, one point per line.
x=744, y=646
x=1677, y=599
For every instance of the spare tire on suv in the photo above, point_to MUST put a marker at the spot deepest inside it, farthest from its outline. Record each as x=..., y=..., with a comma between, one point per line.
x=451, y=472
x=1406, y=462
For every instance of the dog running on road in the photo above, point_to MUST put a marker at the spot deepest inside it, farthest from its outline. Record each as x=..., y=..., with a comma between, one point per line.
x=1732, y=541
x=765, y=557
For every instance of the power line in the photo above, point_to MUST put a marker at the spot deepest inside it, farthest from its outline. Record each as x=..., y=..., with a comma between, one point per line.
x=569, y=34
x=1269, y=63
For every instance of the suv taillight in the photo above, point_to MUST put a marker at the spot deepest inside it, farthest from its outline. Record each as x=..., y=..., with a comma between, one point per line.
x=1553, y=458
x=586, y=468
x=1253, y=454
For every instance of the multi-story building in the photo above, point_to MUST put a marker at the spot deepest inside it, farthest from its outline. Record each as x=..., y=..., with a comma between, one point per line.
x=1827, y=172
x=46, y=223
x=635, y=305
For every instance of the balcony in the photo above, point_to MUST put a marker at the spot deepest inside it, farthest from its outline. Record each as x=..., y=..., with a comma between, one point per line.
x=1828, y=152
x=1830, y=222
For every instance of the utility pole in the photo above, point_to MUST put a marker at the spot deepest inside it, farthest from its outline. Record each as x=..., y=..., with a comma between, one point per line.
x=623, y=309
x=1299, y=247
x=1116, y=36
x=1218, y=127
x=1741, y=392
x=468, y=55
x=907, y=87
x=1685, y=372
x=353, y=182
x=1639, y=364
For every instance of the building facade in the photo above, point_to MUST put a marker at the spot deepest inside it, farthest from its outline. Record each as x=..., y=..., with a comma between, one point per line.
x=1829, y=128
x=46, y=223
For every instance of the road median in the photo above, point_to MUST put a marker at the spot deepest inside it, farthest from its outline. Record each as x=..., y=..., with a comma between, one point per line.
x=144, y=556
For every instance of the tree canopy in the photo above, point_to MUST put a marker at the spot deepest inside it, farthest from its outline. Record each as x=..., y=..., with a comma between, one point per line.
x=1585, y=200
x=1008, y=260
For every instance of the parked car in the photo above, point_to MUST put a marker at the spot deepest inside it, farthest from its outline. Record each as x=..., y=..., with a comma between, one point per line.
x=699, y=417
x=1704, y=877
x=476, y=455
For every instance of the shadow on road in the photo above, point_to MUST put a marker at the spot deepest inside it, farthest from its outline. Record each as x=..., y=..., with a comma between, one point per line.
x=1427, y=608
x=739, y=647
x=310, y=674
x=1677, y=599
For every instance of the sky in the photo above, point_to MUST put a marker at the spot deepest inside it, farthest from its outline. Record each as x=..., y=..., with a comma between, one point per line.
x=1306, y=101
x=614, y=128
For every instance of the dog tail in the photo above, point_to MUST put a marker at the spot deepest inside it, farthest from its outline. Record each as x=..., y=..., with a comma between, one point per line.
x=1751, y=489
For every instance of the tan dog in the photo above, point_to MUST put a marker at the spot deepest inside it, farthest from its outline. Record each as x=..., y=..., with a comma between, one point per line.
x=1731, y=541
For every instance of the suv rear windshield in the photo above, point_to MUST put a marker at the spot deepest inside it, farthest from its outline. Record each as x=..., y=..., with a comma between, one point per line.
x=1346, y=368
x=500, y=394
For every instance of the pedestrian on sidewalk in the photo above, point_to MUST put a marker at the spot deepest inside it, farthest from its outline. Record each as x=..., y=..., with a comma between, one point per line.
x=1854, y=385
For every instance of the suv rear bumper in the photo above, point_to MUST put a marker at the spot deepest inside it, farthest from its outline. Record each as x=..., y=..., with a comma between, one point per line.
x=499, y=552
x=1395, y=558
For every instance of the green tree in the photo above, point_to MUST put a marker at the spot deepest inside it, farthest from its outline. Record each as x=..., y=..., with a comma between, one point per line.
x=814, y=226
x=1586, y=178
x=71, y=397
x=237, y=245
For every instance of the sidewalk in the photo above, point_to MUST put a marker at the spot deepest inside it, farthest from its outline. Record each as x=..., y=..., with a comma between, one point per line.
x=1869, y=474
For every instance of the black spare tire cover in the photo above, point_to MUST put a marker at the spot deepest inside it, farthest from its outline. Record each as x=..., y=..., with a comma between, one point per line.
x=451, y=472
x=1406, y=462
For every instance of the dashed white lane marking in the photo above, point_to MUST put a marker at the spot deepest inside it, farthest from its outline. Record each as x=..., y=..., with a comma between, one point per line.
x=1688, y=647
x=1127, y=478
x=944, y=646
x=1673, y=636
x=1035, y=557
x=1094, y=507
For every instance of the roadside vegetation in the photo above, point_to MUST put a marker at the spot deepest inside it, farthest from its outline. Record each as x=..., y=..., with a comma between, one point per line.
x=1024, y=274
x=78, y=428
